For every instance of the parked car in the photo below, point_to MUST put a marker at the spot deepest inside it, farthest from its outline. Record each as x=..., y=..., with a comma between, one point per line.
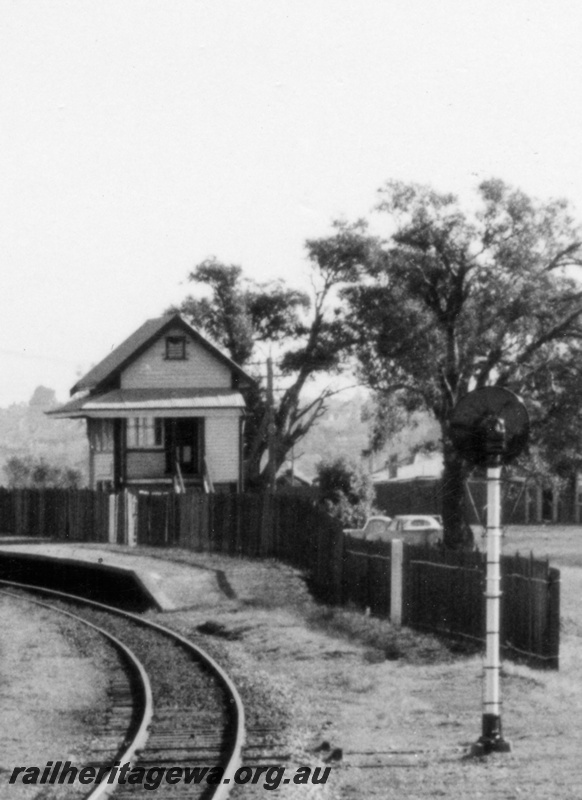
x=411, y=528
x=374, y=527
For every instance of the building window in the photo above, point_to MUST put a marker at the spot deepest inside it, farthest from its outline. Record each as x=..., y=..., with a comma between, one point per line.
x=145, y=433
x=101, y=435
x=176, y=348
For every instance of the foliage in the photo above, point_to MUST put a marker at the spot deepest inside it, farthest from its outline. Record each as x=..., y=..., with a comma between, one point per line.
x=346, y=491
x=240, y=315
x=342, y=431
x=27, y=433
x=554, y=392
x=406, y=432
x=458, y=299
x=36, y=473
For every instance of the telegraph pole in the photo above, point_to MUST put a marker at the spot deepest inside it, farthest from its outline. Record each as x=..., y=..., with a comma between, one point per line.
x=271, y=468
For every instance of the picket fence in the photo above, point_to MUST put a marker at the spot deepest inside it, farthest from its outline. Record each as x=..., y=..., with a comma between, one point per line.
x=442, y=591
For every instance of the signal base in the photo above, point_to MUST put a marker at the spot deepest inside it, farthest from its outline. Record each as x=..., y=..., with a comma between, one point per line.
x=491, y=740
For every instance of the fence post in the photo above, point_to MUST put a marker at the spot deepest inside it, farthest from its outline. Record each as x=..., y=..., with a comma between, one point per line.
x=553, y=616
x=396, y=565
x=539, y=506
x=335, y=566
x=131, y=518
x=555, y=502
x=112, y=529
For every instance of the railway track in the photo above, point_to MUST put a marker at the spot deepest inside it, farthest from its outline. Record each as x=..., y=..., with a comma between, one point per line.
x=155, y=725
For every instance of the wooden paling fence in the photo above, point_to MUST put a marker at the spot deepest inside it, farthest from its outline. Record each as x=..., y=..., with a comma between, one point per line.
x=530, y=621
x=62, y=514
x=442, y=591
x=252, y=525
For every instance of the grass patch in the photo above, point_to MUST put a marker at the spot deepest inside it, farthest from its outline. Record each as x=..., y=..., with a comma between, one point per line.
x=561, y=544
x=382, y=640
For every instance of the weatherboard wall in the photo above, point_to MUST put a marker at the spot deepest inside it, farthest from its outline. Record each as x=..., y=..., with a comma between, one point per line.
x=222, y=448
x=199, y=370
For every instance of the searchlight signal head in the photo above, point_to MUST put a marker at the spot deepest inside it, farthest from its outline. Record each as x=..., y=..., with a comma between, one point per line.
x=490, y=426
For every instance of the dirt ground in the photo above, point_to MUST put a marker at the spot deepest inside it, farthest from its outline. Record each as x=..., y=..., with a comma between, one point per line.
x=392, y=723
x=53, y=685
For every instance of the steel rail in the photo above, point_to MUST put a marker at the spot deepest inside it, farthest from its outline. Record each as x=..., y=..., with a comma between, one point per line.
x=235, y=707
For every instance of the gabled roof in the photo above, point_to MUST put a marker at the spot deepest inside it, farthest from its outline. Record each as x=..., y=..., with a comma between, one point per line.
x=139, y=341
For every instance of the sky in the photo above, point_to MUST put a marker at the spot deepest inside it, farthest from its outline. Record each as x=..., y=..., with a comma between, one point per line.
x=138, y=138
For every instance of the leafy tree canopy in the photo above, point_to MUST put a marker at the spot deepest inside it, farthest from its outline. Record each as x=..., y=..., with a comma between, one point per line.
x=304, y=330
x=239, y=312
x=457, y=299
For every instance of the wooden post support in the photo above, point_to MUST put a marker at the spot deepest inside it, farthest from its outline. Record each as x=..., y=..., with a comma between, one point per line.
x=539, y=505
x=578, y=499
x=112, y=533
x=555, y=502
x=271, y=468
x=396, y=565
x=131, y=519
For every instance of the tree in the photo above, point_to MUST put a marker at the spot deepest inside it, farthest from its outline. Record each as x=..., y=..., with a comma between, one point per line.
x=554, y=392
x=43, y=398
x=346, y=491
x=37, y=473
x=240, y=315
x=456, y=300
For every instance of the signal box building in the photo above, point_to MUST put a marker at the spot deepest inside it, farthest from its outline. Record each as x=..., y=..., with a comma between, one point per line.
x=164, y=411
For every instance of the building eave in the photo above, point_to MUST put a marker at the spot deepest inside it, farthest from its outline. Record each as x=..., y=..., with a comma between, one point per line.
x=152, y=402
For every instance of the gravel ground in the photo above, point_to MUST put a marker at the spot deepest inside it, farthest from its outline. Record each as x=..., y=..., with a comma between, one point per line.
x=54, y=689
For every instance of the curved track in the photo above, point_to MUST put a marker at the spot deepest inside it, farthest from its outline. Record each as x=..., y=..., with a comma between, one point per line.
x=165, y=736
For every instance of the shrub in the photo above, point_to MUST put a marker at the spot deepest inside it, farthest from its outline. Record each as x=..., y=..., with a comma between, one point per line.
x=36, y=473
x=346, y=491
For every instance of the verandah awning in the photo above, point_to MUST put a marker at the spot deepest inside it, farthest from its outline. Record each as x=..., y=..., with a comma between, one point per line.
x=151, y=402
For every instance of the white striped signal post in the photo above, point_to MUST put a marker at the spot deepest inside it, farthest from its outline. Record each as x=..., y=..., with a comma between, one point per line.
x=491, y=736
x=490, y=427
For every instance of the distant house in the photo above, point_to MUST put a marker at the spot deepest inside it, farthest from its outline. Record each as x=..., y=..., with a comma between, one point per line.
x=164, y=411
x=419, y=466
x=289, y=476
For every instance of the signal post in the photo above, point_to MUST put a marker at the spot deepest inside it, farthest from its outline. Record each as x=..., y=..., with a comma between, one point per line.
x=490, y=427
x=491, y=739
